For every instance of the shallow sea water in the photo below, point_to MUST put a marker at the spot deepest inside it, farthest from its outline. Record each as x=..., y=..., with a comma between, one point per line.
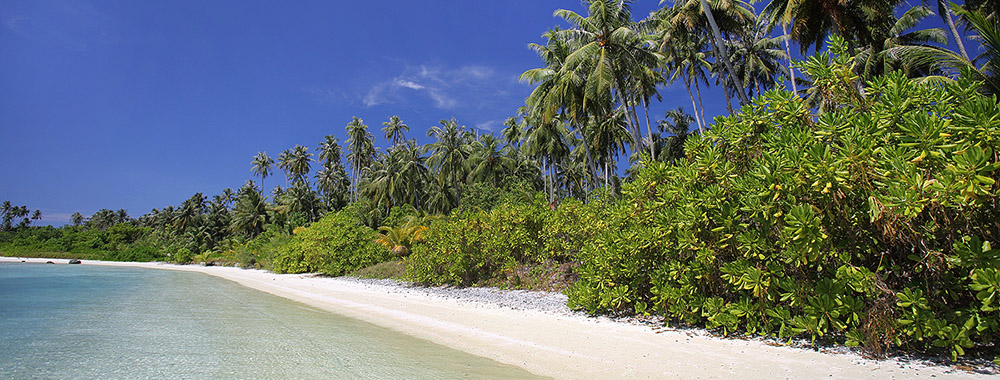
x=92, y=322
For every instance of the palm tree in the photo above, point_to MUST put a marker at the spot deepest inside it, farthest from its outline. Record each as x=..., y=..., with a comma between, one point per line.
x=520, y=167
x=250, y=214
x=412, y=171
x=300, y=198
x=559, y=92
x=876, y=59
x=702, y=15
x=329, y=152
x=609, y=136
x=440, y=198
x=333, y=183
x=261, y=165
x=685, y=58
x=189, y=212
x=361, y=151
x=285, y=162
x=298, y=164
x=813, y=20
x=77, y=218
x=677, y=123
x=491, y=161
x=381, y=181
x=759, y=59
x=229, y=197
x=450, y=154
x=782, y=12
x=947, y=16
x=938, y=58
x=548, y=142
x=512, y=131
x=394, y=129
x=399, y=239
x=611, y=57
x=121, y=216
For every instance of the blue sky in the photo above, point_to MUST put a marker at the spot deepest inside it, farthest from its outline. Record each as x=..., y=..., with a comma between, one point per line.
x=140, y=104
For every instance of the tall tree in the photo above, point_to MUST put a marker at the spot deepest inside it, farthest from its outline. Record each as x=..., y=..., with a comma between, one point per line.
x=717, y=19
x=685, y=57
x=939, y=58
x=361, y=150
x=261, y=165
x=888, y=48
x=760, y=59
x=450, y=154
x=488, y=162
x=77, y=218
x=394, y=130
x=332, y=180
x=250, y=214
x=611, y=56
x=548, y=142
x=285, y=160
x=298, y=165
x=677, y=124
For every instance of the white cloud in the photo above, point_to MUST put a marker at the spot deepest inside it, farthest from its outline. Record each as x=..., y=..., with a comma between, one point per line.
x=408, y=84
x=469, y=86
x=489, y=125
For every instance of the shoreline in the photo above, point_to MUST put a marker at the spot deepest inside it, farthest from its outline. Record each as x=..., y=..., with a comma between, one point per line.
x=554, y=342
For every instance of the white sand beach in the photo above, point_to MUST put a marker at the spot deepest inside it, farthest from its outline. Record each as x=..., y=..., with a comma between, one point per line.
x=559, y=345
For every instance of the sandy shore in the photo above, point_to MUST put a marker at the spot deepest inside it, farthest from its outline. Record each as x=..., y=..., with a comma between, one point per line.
x=561, y=345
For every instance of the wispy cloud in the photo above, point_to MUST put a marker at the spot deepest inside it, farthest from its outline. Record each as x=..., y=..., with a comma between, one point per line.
x=489, y=125
x=446, y=88
x=408, y=84
x=72, y=25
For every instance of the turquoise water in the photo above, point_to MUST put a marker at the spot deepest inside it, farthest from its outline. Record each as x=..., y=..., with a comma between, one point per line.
x=92, y=322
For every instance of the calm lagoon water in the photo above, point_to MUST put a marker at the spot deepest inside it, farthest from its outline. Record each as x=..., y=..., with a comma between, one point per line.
x=92, y=322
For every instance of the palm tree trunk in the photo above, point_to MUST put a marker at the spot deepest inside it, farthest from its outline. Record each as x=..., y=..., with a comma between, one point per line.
x=454, y=182
x=590, y=160
x=701, y=105
x=954, y=31
x=729, y=97
x=721, y=47
x=633, y=126
x=788, y=52
x=694, y=107
x=649, y=130
x=605, y=174
x=546, y=162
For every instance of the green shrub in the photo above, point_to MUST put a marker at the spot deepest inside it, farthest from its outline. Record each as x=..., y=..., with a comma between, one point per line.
x=260, y=251
x=182, y=256
x=870, y=224
x=486, y=247
x=335, y=245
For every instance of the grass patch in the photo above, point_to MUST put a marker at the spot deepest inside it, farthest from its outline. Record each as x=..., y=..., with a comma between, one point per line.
x=389, y=269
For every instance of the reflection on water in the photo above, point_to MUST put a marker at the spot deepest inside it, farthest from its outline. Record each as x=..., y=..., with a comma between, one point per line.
x=72, y=321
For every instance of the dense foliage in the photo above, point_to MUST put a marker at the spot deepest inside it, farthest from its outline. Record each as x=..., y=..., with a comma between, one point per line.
x=515, y=244
x=871, y=223
x=121, y=242
x=335, y=245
